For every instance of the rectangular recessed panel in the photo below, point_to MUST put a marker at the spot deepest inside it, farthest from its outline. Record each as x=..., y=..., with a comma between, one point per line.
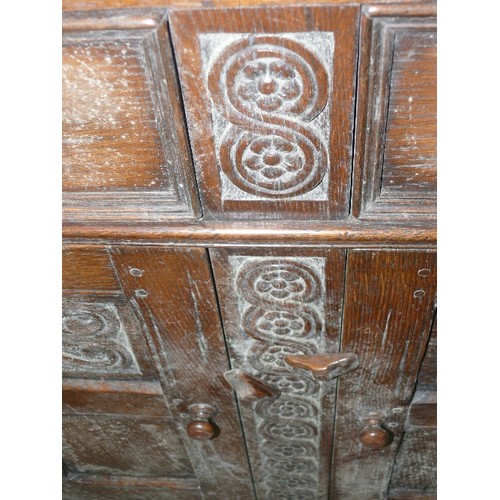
x=125, y=153
x=410, y=142
x=395, y=159
x=117, y=445
x=268, y=96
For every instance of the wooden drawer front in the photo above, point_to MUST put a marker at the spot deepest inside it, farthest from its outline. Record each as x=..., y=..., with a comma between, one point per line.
x=278, y=303
x=125, y=154
x=395, y=157
x=269, y=100
x=122, y=445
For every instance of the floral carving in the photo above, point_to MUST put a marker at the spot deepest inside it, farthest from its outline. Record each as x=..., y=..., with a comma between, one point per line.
x=282, y=299
x=273, y=158
x=269, y=89
x=272, y=84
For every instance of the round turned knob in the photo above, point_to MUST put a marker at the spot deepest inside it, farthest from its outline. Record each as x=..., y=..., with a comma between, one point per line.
x=374, y=436
x=200, y=429
x=200, y=426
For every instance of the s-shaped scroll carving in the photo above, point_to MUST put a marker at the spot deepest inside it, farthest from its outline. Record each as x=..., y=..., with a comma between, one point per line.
x=269, y=88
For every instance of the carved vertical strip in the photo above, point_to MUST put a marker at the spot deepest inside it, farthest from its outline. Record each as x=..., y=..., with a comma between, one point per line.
x=273, y=307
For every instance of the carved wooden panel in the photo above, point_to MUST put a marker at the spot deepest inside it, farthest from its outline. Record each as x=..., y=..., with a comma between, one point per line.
x=125, y=153
x=395, y=157
x=102, y=336
x=275, y=304
x=388, y=310
x=173, y=289
x=270, y=121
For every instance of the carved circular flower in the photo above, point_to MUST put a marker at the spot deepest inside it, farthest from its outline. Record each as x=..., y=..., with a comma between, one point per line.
x=270, y=83
x=280, y=284
x=282, y=323
x=273, y=157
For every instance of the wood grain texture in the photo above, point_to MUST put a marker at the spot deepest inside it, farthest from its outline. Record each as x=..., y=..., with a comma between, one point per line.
x=427, y=377
x=276, y=303
x=261, y=233
x=274, y=108
x=387, y=316
x=102, y=487
x=125, y=153
x=394, y=175
x=124, y=397
x=176, y=297
x=124, y=445
x=87, y=269
x=416, y=462
x=174, y=4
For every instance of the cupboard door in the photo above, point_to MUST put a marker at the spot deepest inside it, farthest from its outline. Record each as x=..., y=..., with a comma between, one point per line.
x=174, y=291
x=269, y=96
x=274, y=304
x=142, y=342
x=388, y=310
x=119, y=434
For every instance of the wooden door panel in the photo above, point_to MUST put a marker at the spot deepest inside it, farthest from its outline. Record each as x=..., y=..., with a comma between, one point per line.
x=269, y=100
x=388, y=312
x=173, y=289
x=277, y=303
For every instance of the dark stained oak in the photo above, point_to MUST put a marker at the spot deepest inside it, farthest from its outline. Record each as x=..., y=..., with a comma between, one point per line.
x=175, y=295
x=394, y=175
x=388, y=309
x=125, y=152
x=269, y=96
x=248, y=213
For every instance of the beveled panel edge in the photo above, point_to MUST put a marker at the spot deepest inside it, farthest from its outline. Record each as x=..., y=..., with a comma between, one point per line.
x=376, y=48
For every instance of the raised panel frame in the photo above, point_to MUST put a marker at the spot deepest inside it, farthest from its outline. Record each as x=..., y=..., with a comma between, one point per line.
x=318, y=194
x=378, y=27
x=147, y=28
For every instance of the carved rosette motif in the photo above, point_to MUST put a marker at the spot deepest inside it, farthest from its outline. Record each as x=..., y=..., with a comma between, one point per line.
x=282, y=306
x=268, y=90
x=94, y=340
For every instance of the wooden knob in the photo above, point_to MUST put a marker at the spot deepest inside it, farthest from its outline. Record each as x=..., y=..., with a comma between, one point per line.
x=200, y=429
x=374, y=436
x=200, y=426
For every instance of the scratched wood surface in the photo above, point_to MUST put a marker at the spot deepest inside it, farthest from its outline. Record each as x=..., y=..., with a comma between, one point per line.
x=394, y=175
x=269, y=96
x=125, y=153
x=388, y=308
x=175, y=293
x=275, y=303
x=116, y=420
x=116, y=4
